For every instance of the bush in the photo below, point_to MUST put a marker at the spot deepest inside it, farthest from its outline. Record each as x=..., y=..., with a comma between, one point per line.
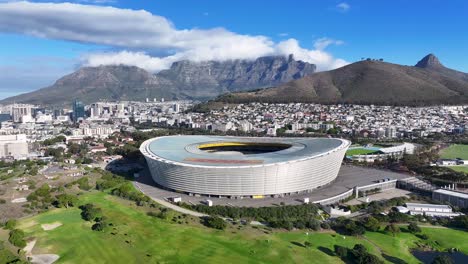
x=10, y=224
x=340, y=251
x=392, y=229
x=83, y=184
x=17, y=238
x=214, y=222
x=89, y=212
x=414, y=228
x=65, y=200
x=313, y=224
x=97, y=227
x=325, y=225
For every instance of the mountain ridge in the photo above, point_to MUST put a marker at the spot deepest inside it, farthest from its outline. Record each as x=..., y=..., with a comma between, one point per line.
x=183, y=80
x=369, y=82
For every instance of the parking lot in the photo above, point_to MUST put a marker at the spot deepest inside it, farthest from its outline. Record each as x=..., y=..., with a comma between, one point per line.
x=348, y=178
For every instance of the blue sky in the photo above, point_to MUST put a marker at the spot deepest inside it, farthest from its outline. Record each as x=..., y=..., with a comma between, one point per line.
x=41, y=41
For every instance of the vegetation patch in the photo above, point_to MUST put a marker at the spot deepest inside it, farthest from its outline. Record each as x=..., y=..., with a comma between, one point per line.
x=135, y=236
x=360, y=151
x=455, y=151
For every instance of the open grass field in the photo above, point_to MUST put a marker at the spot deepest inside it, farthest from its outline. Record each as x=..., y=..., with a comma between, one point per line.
x=139, y=238
x=455, y=151
x=459, y=168
x=359, y=151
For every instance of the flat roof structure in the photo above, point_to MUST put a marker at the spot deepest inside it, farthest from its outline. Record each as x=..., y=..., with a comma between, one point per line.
x=188, y=150
x=243, y=166
x=452, y=193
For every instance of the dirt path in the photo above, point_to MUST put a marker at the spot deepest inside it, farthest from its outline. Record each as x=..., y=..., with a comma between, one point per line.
x=374, y=244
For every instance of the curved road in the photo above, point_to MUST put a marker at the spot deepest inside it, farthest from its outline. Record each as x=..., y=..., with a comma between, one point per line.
x=146, y=189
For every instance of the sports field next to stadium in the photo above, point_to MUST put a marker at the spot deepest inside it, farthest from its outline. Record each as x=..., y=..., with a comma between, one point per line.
x=455, y=151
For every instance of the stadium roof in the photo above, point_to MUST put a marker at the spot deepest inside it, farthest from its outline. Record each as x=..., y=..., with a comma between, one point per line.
x=185, y=150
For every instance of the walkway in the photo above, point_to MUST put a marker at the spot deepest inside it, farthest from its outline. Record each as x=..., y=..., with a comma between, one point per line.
x=145, y=188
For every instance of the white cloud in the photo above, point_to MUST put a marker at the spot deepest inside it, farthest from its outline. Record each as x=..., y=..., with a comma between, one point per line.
x=138, y=33
x=323, y=43
x=140, y=59
x=343, y=7
x=322, y=59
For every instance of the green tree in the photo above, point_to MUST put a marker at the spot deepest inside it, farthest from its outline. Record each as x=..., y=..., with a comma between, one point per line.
x=17, y=238
x=392, y=229
x=89, y=212
x=65, y=200
x=341, y=251
x=414, y=228
x=10, y=224
x=372, y=224
x=215, y=222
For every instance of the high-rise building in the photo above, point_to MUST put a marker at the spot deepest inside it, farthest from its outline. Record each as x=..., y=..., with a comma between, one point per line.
x=19, y=111
x=78, y=111
x=176, y=108
x=15, y=146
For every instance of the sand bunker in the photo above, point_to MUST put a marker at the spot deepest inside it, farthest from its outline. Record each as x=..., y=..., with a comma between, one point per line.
x=29, y=247
x=39, y=258
x=43, y=258
x=51, y=226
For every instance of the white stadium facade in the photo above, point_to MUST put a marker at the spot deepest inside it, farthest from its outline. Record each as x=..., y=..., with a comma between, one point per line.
x=243, y=166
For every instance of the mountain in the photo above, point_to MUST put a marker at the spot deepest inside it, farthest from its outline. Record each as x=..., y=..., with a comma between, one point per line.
x=369, y=82
x=184, y=80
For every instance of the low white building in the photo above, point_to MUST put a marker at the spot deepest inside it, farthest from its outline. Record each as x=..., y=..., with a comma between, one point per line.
x=15, y=146
x=440, y=210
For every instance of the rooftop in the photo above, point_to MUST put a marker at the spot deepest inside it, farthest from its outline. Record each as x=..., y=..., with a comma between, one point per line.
x=452, y=193
x=434, y=206
x=238, y=151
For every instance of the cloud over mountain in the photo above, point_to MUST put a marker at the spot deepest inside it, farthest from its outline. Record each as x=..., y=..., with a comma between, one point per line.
x=139, y=37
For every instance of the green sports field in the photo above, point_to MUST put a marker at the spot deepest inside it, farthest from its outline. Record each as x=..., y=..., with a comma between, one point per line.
x=359, y=151
x=459, y=168
x=455, y=151
x=138, y=238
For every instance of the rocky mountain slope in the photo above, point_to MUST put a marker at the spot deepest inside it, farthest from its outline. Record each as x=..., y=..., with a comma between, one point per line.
x=370, y=82
x=184, y=80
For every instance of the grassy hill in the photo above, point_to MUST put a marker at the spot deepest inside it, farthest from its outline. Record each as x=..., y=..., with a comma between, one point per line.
x=136, y=237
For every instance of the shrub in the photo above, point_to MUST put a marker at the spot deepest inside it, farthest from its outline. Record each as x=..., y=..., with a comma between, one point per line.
x=392, y=229
x=10, y=224
x=98, y=226
x=65, y=200
x=414, y=228
x=340, y=251
x=17, y=238
x=214, y=222
x=89, y=212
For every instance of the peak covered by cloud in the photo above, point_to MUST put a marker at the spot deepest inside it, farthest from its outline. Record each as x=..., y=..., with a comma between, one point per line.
x=138, y=35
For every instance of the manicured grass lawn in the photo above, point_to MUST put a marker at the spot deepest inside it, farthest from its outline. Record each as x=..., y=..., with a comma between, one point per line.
x=459, y=168
x=455, y=151
x=359, y=151
x=140, y=238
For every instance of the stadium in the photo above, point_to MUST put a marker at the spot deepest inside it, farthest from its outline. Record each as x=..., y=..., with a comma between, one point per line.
x=243, y=166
